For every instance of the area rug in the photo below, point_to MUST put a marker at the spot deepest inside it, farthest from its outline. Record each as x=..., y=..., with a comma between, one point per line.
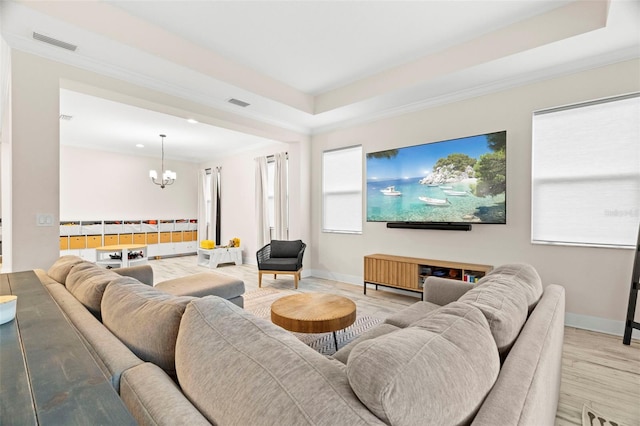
x=591, y=417
x=259, y=301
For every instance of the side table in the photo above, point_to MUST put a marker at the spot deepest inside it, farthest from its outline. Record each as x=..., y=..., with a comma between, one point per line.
x=103, y=255
x=211, y=258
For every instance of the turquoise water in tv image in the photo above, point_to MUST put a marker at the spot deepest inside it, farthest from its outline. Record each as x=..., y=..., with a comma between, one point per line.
x=409, y=208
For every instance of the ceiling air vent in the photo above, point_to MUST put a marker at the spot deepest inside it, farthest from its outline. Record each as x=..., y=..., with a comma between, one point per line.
x=238, y=102
x=55, y=42
x=66, y=117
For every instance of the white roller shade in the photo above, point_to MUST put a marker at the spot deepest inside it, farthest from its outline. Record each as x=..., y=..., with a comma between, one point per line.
x=586, y=173
x=342, y=190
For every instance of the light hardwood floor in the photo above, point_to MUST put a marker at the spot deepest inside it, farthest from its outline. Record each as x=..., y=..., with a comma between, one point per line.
x=597, y=369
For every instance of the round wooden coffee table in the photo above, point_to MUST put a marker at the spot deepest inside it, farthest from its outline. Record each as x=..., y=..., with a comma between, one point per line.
x=314, y=313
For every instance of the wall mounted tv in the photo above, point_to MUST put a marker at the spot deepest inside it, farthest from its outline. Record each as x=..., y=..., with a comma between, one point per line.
x=458, y=181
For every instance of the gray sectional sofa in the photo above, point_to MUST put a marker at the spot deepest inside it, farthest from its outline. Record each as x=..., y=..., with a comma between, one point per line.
x=484, y=355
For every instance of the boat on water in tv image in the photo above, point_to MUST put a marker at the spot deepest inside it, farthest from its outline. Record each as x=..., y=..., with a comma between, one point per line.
x=468, y=176
x=455, y=193
x=391, y=190
x=435, y=201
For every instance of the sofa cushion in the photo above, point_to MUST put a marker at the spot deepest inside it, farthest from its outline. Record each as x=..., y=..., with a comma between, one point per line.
x=61, y=268
x=87, y=282
x=204, y=284
x=144, y=319
x=437, y=371
x=411, y=314
x=504, y=304
x=238, y=369
x=285, y=248
x=142, y=273
x=520, y=275
x=342, y=355
x=279, y=264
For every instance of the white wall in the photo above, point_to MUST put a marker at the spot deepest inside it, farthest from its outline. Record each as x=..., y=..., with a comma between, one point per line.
x=5, y=137
x=33, y=158
x=596, y=280
x=99, y=185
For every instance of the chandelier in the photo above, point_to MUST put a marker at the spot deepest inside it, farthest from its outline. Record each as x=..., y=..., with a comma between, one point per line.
x=168, y=177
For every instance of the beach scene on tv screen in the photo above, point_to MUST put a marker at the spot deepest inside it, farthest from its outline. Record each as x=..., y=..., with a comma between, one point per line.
x=453, y=181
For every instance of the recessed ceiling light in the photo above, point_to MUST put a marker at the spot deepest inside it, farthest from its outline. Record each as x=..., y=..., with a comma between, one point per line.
x=139, y=145
x=192, y=121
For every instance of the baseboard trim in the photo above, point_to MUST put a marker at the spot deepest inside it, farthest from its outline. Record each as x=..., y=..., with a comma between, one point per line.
x=343, y=278
x=601, y=325
x=585, y=322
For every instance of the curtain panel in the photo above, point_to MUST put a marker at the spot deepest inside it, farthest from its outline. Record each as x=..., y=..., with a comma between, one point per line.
x=214, y=213
x=262, y=202
x=202, y=205
x=280, y=202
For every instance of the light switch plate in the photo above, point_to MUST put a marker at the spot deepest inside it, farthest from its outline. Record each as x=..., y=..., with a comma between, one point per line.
x=44, y=219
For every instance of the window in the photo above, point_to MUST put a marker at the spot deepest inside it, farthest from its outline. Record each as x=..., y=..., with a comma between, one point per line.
x=342, y=190
x=586, y=173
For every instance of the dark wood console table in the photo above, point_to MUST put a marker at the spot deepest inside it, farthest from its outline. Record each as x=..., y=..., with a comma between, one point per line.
x=48, y=375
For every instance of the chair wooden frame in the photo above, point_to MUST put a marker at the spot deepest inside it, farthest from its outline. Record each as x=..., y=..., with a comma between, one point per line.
x=296, y=276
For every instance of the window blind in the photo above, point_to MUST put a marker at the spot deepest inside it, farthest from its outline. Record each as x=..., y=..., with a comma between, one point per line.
x=342, y=190
x=586, y=173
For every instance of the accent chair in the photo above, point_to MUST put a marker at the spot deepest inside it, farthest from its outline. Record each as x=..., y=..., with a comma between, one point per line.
x=281, y=257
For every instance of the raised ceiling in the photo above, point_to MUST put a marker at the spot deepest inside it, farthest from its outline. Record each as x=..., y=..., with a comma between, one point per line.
x=311, y=66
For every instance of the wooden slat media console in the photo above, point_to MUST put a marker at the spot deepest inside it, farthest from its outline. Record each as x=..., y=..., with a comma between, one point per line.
x=408, y=273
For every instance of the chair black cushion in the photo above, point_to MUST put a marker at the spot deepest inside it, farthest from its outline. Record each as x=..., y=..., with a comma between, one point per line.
x=285, y=249
x=280, y=264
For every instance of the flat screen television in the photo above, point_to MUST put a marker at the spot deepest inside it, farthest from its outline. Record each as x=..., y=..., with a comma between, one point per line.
x=457, y=181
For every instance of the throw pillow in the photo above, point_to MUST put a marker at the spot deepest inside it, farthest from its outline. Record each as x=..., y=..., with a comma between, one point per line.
x=437, y=371
x=145, y=319
x=87, y=282
x=61, y=268
x=285, y=248
x=522, y=277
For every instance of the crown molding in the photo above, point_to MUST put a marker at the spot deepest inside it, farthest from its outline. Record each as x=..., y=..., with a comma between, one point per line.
x=609, y=58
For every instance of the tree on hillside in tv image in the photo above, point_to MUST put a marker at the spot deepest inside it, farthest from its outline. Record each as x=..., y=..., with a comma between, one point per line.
x=463, y=180
x=390, y=153
x=491, y=169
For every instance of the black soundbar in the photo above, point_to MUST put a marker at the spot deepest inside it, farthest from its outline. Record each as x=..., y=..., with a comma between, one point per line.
x=428, y=225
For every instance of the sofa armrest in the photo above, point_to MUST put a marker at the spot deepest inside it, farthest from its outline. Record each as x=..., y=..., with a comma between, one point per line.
x=442, y=291
x=44, y=278
x=153, y=398
x=143, y=273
